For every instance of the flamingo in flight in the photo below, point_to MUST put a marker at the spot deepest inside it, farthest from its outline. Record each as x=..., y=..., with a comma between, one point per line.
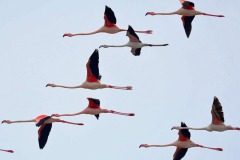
x=217, y=120
x=109, y=25
x=188, y=13
x=134, y=43
x=182, y=144
x=93, y=76
x=45, y=124
x=94, y=108
x=4, y=150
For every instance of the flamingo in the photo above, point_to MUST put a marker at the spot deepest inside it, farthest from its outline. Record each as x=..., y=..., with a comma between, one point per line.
x=93, y=77
x=9, y=151
x=94, y=108
x=188, y=13
x=109, y=25
x=134, y=43
x=45, y=124
x=217, y=120
x=182, y=144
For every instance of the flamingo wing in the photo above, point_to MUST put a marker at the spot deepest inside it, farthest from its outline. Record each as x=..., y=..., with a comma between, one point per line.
x=187, y=24
x=184, y=134
x=93, y=103
x=136, y=51
x=217, y=112
x=188, y=5
x=41, y=119
x=92, y=68
x=43, y=133
x=133, y=37
x=179, y=153
x=109, y=17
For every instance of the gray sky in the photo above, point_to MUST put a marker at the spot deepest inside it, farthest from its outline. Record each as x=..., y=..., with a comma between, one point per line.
x=170, y=84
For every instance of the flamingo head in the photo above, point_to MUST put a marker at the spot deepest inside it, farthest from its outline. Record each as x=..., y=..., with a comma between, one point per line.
x=51, y=85
x=150, y=13
x=6, y=121
x=175, y=127
x=67, y=35
x=144, y=145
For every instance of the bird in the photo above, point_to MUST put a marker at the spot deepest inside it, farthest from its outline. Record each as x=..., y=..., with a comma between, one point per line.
x=94, y=108
x=109, y=25
x=217, y=120
x=134, y=43
x=93, y=77
x=182, y=144
x=188, y=13
x=45, y=124
x=9, y=151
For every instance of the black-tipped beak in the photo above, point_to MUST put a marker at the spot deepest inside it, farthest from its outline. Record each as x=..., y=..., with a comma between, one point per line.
x=172, y=128
x=146, y=14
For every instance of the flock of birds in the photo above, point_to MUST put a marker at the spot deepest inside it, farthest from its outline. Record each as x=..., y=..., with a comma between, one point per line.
x=93, y=82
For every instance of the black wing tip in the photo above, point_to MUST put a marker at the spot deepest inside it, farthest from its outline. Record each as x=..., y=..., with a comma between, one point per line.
x=183, y=124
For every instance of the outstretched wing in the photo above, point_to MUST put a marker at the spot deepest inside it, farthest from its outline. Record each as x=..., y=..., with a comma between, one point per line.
x=188, y=5
x=133, y=37
x=217, y=112
x=93, y=103
x=92, y=68
x=184, y=134
x=187, y=24
x=109, y=17
x=43, y=133
x=179, y=153
x=41, y=119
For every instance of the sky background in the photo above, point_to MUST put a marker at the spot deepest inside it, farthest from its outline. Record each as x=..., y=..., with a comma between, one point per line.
x=170, y=84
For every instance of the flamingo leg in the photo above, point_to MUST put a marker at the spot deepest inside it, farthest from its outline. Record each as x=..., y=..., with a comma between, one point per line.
x=69, y=122
x=120, y=113
x=217, y=149
x=10, y=151
x=124, y=88
x=213, y=15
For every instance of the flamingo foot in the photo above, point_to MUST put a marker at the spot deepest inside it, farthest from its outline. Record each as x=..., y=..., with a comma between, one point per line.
x=149, y=32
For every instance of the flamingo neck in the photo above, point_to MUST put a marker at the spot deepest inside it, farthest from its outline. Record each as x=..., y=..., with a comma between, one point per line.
x=89, y=33
x=70, y=87
x=167, y=13
x=162, y=145
x=23, y=121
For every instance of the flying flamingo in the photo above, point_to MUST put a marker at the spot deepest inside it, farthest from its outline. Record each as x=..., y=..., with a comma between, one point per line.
x=93, y=76
x=182, y=144
x=109, y=25
x=45, y=124
x=94, y=108
x=10, y=151
x=188, y=13
x=134, y=43
x=217, y=120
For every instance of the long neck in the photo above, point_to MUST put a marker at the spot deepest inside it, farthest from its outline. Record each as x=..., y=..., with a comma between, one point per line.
x=168, y=13
x=70, y=87
x=23, y=121
x=89, y=33
x=204, y=128
x=161, y=145
x=73, y=114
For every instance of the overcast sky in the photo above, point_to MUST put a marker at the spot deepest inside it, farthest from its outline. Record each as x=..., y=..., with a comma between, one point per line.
x=170, y=84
